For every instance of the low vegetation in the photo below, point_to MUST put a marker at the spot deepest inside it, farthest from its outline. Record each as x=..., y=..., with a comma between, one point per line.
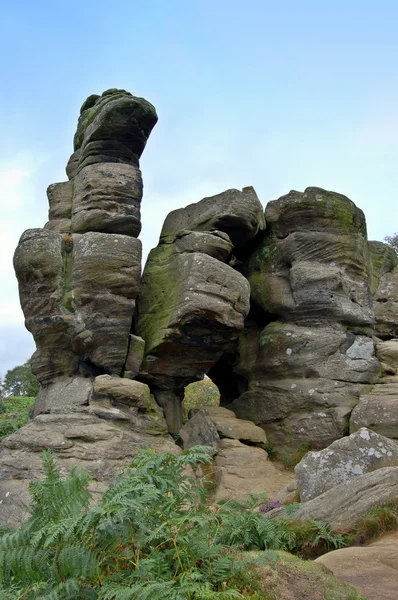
x=14, y=413
x=198, y=394
x=151, y=537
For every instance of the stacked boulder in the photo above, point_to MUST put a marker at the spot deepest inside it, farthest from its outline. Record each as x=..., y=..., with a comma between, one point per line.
x=240, y=462
x=291, y=312
x=193, y=304
x=78, y=280
x=307, y=352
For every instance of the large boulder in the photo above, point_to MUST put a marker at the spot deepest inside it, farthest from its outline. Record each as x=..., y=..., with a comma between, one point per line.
x=238, y=214
x=378, y=407
x=361, y=452
x=242, y=470
x=344, y=504
x=102, y=441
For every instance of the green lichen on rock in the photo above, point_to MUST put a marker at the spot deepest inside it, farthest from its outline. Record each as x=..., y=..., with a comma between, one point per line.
x=383, y=259
x=157, y=302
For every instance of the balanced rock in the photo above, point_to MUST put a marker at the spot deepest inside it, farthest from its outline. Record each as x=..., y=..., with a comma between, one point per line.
x=361, y=452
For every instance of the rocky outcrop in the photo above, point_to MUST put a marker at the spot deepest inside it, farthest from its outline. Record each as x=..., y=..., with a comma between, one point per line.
x=291, y=312
x=342, y=505
x=307, y=350
x=240, y=465
x=347, y=458
x=193, y=304
x=101, y=438
x=79, y=277
x=378, y=406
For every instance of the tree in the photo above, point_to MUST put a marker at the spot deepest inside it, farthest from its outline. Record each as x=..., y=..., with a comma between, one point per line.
x=20, y=381
x=392, y=240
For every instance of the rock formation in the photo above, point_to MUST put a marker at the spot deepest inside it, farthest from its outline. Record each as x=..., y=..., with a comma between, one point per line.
x=291, y=312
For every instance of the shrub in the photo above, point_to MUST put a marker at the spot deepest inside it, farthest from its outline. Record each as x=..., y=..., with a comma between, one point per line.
x=150, y=537
x=198, y=394
x=14, y=414
x=375, y=523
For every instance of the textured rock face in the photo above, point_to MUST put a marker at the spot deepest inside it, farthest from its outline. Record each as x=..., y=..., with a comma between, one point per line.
x=308, y=350
x=192, y=304
x=294, y=320
x=342, y=505
x=79, y=276
x=98, y=438
x=349, y=457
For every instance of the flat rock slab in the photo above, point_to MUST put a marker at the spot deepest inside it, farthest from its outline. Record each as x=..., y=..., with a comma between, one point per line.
x=345, y=459
x=373, y=569
x=229, y=426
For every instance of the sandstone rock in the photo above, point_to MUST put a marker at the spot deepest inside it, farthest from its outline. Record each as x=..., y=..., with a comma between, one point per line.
x=383, y=259
x=135, y=356
x=304, y=381
x=62, y=226
x=79, y=290
x=312, y=264
x=342, y=505
x=60, y=197
x=124, y=391
x=229, y=426
x=65, y=393
x=372, y=570
x=378, y=409
x=386, y=306
x=242, y=470
x=345, y=459
x=238, y=214
x=107, y=198
x=114, y=129
x=77, y=437
x=131, y=399
x=191, y=308
x=105, y=277
x=307, y=353
x=200, y=430
x=387, y=353
x=213, y=243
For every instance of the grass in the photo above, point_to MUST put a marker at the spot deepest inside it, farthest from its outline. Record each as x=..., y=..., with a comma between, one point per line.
x=374, y=524
x=282, y=576
x=14, y=413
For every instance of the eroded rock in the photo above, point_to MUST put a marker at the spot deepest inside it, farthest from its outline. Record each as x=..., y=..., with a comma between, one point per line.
x=361, y=452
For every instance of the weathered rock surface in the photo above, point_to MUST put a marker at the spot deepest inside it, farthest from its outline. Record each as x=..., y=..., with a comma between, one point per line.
x=229, y=426
x=378, y=406
x=347, y=458
x=200, y=431
x=384, y=285
x=342, y=505
x=307, y=353
x=243, y=470
x=238, y=214
x=373, y=570
x=79, y=277
x=77, y=437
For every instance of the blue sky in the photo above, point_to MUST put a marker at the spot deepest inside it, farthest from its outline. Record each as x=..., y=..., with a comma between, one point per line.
x=278, y=95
